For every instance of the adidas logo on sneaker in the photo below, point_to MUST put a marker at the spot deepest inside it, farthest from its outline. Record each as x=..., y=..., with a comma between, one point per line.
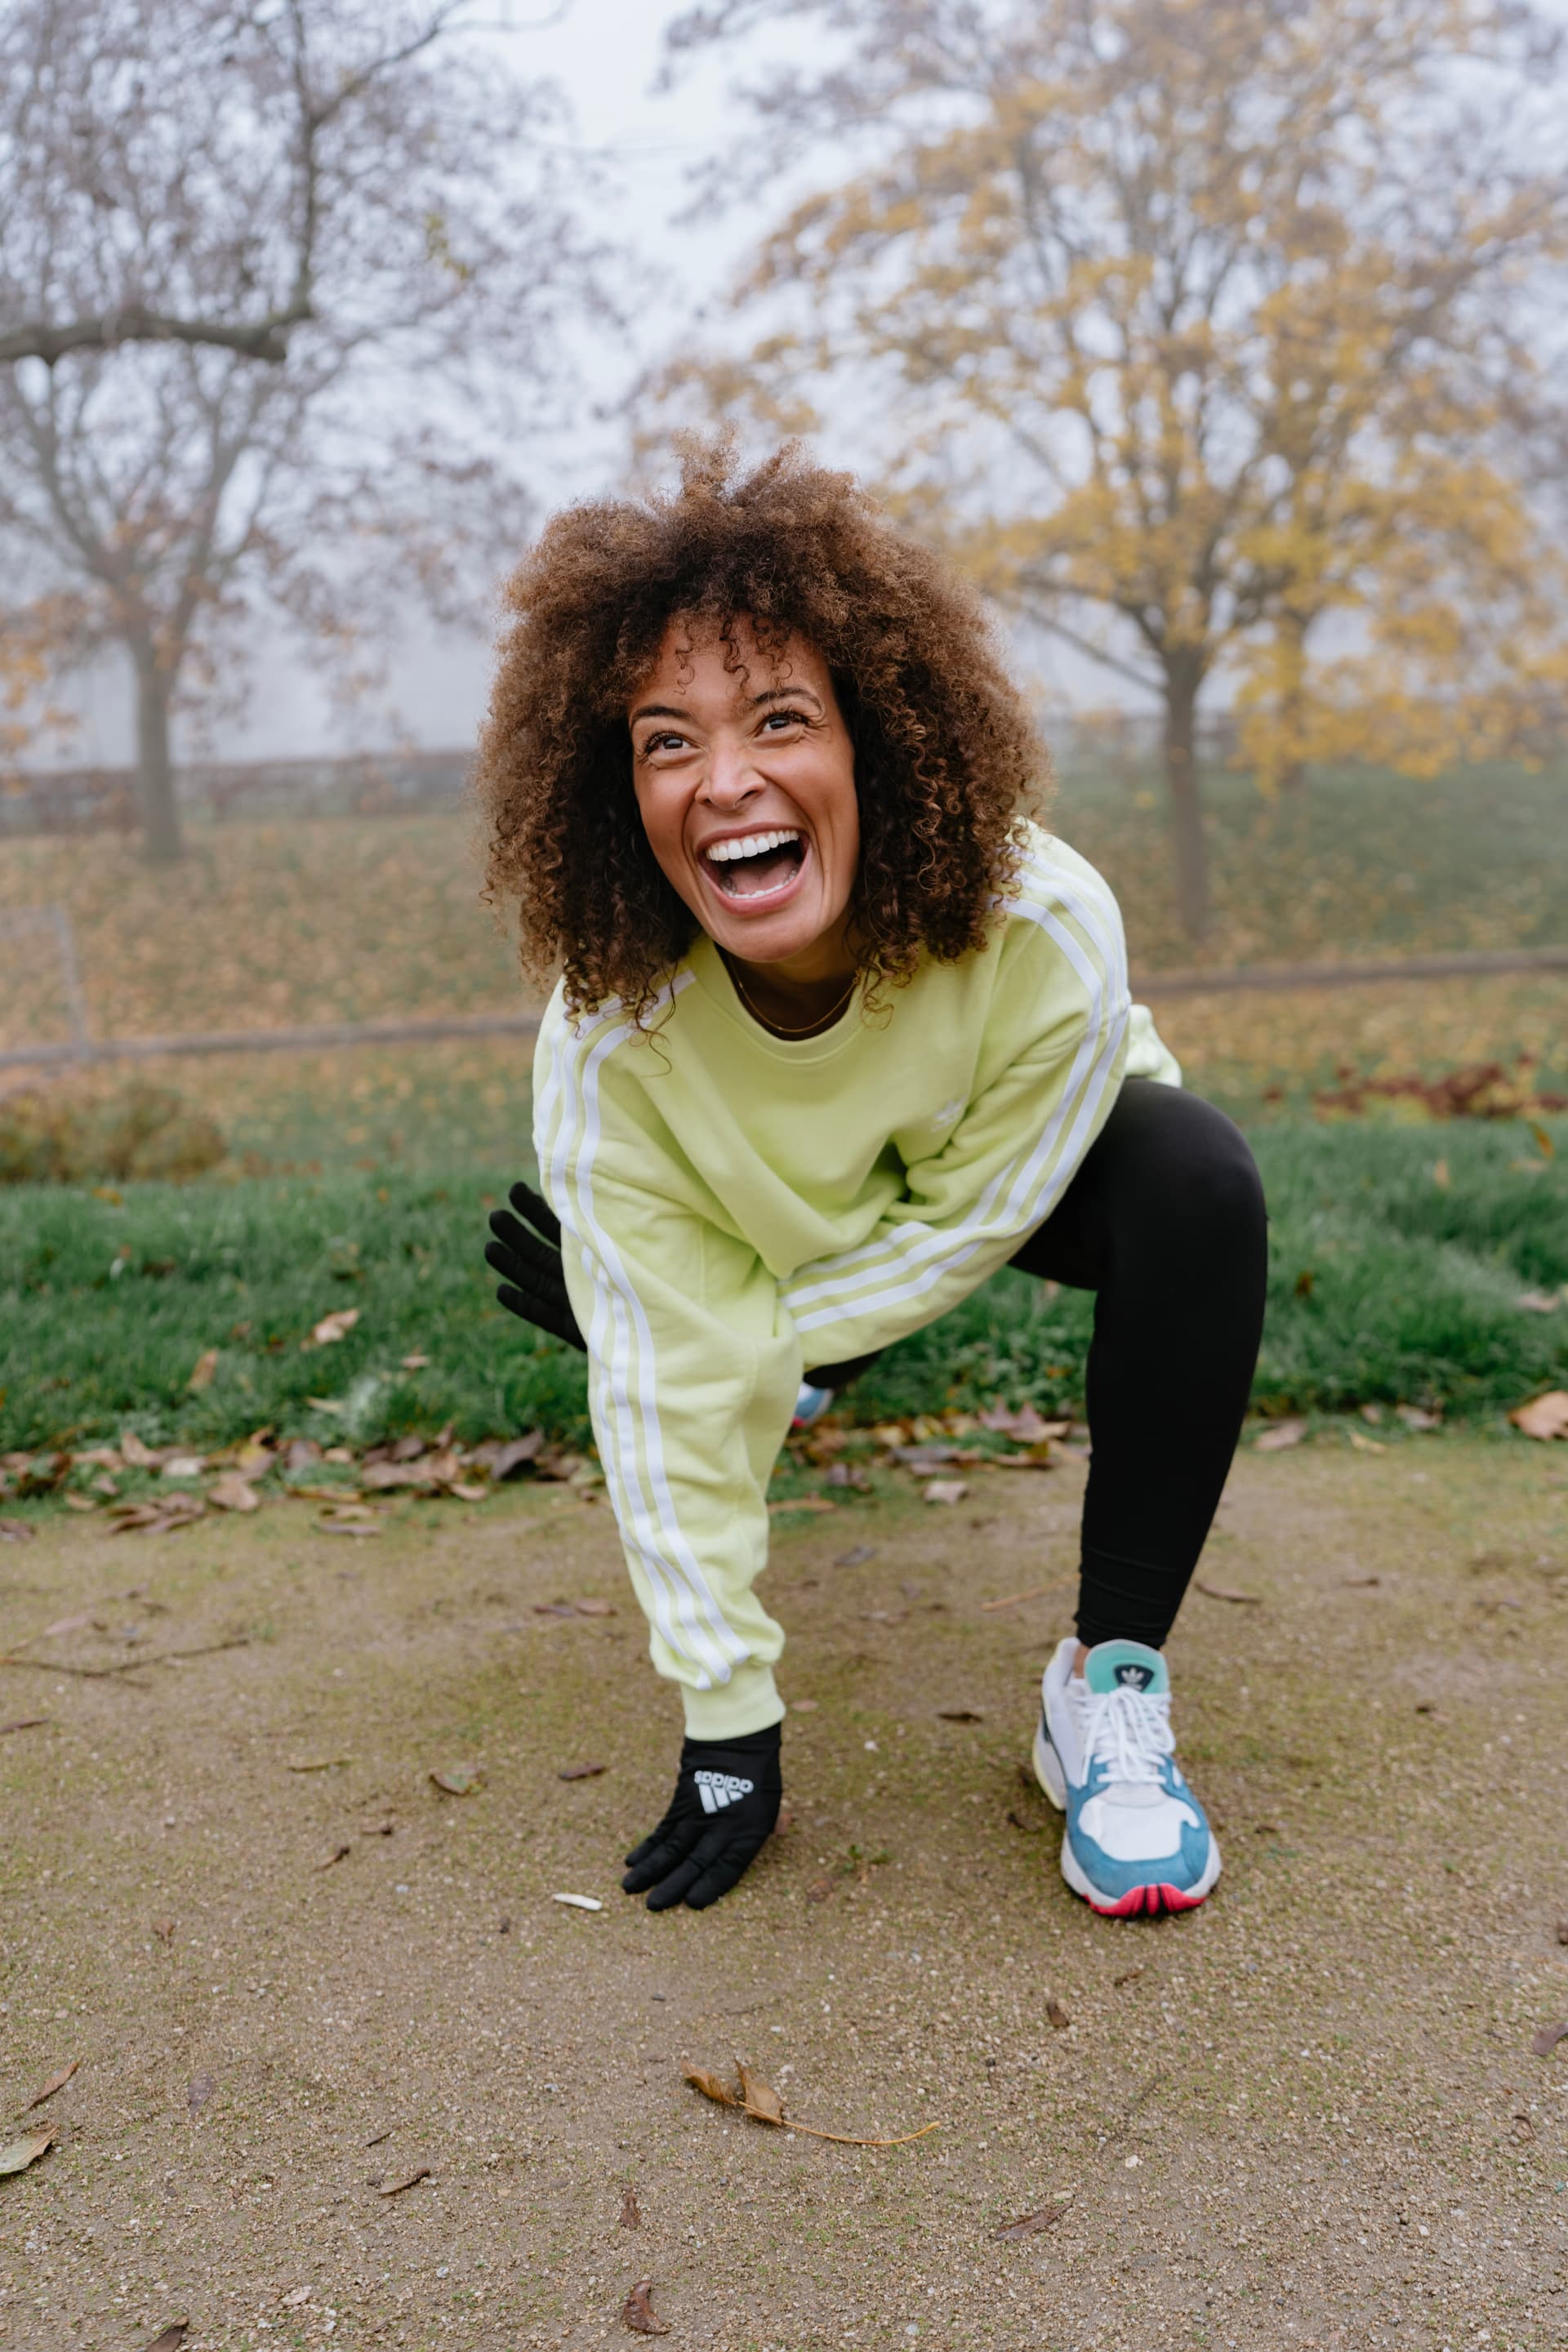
x=718, y=1789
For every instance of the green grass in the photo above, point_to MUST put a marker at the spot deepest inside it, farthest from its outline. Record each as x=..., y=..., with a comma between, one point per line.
x=1412, y=1297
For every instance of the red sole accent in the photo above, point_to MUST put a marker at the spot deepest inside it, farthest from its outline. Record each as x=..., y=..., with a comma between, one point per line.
x=1148, y=1900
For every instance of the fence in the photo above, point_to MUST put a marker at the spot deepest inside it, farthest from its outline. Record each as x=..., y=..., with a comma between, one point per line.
x=103, y=800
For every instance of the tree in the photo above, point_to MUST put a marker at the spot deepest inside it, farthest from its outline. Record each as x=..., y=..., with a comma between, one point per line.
x=280, y=286
x=1166, y=316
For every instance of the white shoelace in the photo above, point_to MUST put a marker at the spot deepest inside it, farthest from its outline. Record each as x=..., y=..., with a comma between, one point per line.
x=1127, y=1730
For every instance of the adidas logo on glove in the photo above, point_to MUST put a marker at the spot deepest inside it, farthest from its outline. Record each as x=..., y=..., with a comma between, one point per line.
x=718, y=1789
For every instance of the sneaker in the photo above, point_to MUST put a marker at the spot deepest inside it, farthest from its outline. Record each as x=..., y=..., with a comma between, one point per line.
x=1136, y=1840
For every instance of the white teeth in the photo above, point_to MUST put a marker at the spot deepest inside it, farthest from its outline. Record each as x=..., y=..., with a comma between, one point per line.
x=724, y=853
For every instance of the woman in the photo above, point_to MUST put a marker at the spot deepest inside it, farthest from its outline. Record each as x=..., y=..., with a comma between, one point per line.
x=840, y=1032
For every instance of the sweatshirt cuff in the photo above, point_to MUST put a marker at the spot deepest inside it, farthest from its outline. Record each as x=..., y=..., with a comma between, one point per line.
x=747, y=1702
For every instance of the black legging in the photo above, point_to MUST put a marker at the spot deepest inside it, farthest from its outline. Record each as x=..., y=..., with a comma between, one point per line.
x=1164, y=1222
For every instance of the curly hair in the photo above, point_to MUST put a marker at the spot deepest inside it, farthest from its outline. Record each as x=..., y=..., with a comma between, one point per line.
x=947, y=760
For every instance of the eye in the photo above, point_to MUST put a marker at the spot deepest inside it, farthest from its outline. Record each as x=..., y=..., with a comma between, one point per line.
x=785, y=719
x=666, y=742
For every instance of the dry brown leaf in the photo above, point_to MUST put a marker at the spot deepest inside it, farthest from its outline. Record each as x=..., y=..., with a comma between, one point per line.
x=1014, y=1600
x=253, y=1456
x=164, y=1930
x=56, y=2082
x=206, y=1369
x=383, y=1477
x=1128, y=1976
x=442, y=1468
x=172, y=2337
x=319, y=1764
x=1366, y=1444
x=1278, y=1435
x=413, y=1363
x=805, y=1503
x=631, y=2211
x=199, y=2091
x=36, y=1722
x=638, y=2311
x=16, y=1532
x=945, y=1490
x=80, y=1503
x=460, y=1779
x=233, y=1493
x=759, y=2099
x=1026, y=1426
x=1416, y=1416
x=513, y=1455
x=1545, y=2042
x=1057, y=2013
x=1544, y=1416
x=1563, y=1931
x=467, y=1492
x=338, y=1854
x=581, y=1771
x=804, y=1706
x=341, y=1526
x=18, y=2154
x=857, y=1556
x=397, y=2187
x=960, y=1715
x=819, y=1890
x=1027, y=2224
x=1228, y=1592
x=139, y=1455
x=332, y=1328
x=711, y=2086
x=595, y=1608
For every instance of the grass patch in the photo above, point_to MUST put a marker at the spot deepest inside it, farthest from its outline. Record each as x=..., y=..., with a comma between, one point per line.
x=111, y=1300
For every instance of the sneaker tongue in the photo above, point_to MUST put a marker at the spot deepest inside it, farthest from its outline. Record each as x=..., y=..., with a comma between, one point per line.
x=1112, y=1664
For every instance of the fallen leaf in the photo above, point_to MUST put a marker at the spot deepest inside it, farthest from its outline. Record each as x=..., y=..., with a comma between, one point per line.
x=72, y=1624
x=139, y=1455
x=1015, y=1821
x=1360, y=1582
x=1278, y=1435
x=184, y=1465
x=1026, y=1426
x=1543, y=1142
x=595, y=1608
x=292, y=2302
x=253, y=1456
x=80, y=1503
x=1128, y=1976
x=331, y=1328
x=24, y=1723
x=206, y=1369
x=56, y=2082
x=397, y=2187
x=16, y=1532
x=515, y=1454
x=1563, y=1931
x=18, y=2154
x=1027, y=2224
x=579, y=1902
x=1538, y=1302
x=199, y=2091
x=1366, y=1444
x=631, y=2211
x=1228, y=1592
x=638, y=2311
x=751, y=2088
x=233, y=1493
x=581, y=1771
x=945, y=1490
x=173, y=2337
x=759, y=2098
x=345, y=1527
x=382, y=1478
x=1415, y=1416
x=164, y=1930
x=846, y=1473
x=857, y=1556
x=805, y=1503
x=413, y=1363
x=1544, y=1416
x=1013, y=1600
x=319, y=1764
x=1440, y=1174
x=961, y=1715
x=796, y=1707
x=460, y=1779
x=338, y=1854
x=1057, y=2013
x=381, y=2136
x=1543, y=2043
x=819, y=1890
x=466, y=1492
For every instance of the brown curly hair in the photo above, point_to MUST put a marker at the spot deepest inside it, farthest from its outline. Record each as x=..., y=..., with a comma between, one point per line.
x=946, y=756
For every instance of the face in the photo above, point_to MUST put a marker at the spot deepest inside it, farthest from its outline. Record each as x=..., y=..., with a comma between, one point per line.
x=745, y=781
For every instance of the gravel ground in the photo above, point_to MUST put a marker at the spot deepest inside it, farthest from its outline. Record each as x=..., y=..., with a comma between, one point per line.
x=1307, y=2115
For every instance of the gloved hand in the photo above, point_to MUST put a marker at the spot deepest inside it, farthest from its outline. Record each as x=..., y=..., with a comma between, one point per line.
x=535, y=1286
x=721, y=1815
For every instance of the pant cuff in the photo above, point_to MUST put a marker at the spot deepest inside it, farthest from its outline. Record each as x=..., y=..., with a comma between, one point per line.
x=747, y=1702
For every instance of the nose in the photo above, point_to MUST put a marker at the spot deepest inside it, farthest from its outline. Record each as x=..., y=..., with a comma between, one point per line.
x=731, y=780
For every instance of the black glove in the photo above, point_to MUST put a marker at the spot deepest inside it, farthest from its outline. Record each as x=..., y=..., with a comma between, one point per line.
x=535, y=1287
x=721, y=1815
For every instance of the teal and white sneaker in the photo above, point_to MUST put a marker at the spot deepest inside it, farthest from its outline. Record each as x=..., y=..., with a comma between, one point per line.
x=1136, y=1840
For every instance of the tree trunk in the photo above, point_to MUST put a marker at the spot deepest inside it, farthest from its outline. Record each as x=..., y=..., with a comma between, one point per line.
x=161, y=833
x=1185, y=793
x=1293, y=711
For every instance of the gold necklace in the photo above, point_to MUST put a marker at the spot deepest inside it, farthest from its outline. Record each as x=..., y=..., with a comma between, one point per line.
x=776, y=1027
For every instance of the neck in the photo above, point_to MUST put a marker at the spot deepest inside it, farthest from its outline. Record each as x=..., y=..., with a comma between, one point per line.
x=799, y=990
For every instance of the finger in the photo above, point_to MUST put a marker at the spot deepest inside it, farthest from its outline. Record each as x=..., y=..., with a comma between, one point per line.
x=723, y=1874
x=518, y=1240
x=668, y=1850
x=538, y=1211
x=672, y=1890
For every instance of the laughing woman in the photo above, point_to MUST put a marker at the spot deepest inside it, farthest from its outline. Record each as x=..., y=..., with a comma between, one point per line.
x=839, y=1030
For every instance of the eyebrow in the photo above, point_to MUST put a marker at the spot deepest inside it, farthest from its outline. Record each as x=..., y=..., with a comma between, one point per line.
x=769, y=694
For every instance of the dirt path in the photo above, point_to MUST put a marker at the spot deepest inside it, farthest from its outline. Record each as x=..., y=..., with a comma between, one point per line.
x=1308, y=2115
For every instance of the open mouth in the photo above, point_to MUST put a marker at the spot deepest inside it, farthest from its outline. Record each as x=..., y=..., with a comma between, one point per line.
x=755, y=864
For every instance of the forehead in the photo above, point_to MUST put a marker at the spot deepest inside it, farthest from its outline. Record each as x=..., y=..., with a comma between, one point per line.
x=703, y=660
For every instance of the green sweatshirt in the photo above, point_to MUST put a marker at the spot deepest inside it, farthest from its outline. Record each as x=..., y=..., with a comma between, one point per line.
x=736, y=1208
